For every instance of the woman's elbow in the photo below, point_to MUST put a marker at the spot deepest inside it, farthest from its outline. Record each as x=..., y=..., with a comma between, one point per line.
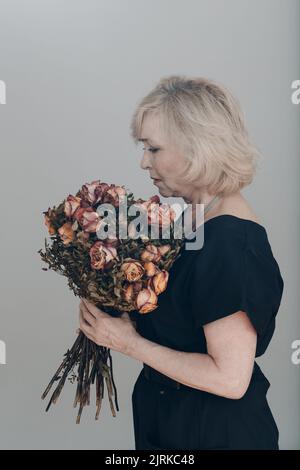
x=237, y=388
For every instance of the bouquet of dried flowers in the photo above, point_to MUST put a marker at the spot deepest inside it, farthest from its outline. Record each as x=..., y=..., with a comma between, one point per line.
x=116, y=273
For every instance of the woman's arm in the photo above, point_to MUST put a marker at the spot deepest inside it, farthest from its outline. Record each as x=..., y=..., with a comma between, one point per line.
x=225, y=370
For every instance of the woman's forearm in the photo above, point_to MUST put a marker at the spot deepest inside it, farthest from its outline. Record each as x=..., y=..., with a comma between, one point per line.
x=195, y=370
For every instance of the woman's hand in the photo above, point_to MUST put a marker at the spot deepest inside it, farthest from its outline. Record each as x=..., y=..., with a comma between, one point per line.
x=118, y=333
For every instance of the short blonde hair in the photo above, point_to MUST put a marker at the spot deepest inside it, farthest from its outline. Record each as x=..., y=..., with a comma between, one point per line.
x=203, y=120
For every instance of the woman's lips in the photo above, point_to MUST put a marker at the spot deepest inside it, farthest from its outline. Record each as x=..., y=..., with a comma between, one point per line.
x=155, y=180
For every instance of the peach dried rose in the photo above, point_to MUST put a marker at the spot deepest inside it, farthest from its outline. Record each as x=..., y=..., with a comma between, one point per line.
x=71, y=204
x=164, y=249
x=101, y=254
x=151, y=253
x=150, y=268
x=159, y=281
x=49, y=226
x=66, y=233
x=146, y=300
x=133, y=270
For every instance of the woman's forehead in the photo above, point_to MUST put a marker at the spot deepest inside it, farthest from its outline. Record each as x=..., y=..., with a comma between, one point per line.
x=151, y=130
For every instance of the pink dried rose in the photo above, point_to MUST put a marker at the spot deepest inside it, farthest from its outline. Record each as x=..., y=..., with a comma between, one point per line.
x=71, y=205
x=153, y=199
x=101, y=254
x=146, y=300
x=159, y=282
x=87, y=218
x=160, y=214
x=114, y=195
x=141, y=204
x=66, y=233
x=93, y=192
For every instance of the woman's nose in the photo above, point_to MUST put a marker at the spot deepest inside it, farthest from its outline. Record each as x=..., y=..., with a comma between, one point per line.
x=145, y=162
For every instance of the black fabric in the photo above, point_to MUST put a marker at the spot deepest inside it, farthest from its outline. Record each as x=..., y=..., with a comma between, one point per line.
x=234, y=270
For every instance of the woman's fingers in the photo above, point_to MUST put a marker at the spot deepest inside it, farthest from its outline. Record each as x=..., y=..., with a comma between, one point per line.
x=86, y=317
x=87, y=329
x=95, y=311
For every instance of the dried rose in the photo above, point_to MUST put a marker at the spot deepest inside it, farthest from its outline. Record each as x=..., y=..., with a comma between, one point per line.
x=150, y=268
x=146, y=300
x=133, y=270
x=71, y=204
x=160, y=214
x=66, y=233
x=153, y=199
x=143, y=205
x=114, y=195
x=131, y=290
x=49, y=226
x=87, y=191
x=151, y=253
x=92, y=193
x=87, y=218
x=101, y=254
x=159, y=281
x=164, y=249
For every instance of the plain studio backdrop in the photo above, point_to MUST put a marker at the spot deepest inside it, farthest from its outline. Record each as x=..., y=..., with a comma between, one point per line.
x=74, y=72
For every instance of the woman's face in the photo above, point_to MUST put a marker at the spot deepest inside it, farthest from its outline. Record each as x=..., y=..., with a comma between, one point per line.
x=164, y=164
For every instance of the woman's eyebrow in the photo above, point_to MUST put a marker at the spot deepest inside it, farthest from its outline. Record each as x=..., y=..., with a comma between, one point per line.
x=147, y=140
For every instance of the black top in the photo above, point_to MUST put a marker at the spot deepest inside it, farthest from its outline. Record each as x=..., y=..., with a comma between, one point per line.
x=234, y=270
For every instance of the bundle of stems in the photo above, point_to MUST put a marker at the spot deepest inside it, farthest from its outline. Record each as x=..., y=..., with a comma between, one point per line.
x=91, y=362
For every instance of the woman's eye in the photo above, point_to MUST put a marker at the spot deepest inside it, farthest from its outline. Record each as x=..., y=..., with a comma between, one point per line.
x=151, y=149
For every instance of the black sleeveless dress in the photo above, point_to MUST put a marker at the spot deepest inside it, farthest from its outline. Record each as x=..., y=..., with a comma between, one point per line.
x=233, y=270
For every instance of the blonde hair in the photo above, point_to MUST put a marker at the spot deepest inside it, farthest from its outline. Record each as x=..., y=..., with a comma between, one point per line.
x=204, y=121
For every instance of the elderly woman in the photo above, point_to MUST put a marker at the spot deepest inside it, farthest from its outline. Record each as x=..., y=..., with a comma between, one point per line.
x=200, y=387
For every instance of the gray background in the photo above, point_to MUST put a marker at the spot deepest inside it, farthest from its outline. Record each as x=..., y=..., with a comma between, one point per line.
x=75, y=71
